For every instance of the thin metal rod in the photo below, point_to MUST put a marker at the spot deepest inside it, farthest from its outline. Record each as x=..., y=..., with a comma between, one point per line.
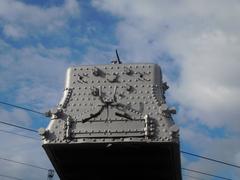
x=17, y=126
x=207, y=174
x=192, y=177
x=9, y=177
x=21, y=135
x=23, y=163
x=210, y=159
x=20, y=107
x=118, y=59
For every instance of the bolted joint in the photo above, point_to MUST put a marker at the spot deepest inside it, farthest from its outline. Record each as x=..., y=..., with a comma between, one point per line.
x=54, y=113
x=172, y=110
x=128, y=71
x=174, y=130
x=43, y=132
x=165, y=86
x=165, y=109
x=50, y=173
x=95, y=91
x=112, y=77
x=96, y=71
x=48, y=114
x=129, y=87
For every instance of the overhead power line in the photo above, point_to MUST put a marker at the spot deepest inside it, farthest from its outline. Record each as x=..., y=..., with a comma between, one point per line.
x=43, y=168
x=210, y=159
x=184, y=152
x=21, y=135
x=9, y=177
x=17, y=126
x=207, y=174
x=192, y=177
x=23, y=108
x=23, y=163
x=36, y=166
x=39, y=167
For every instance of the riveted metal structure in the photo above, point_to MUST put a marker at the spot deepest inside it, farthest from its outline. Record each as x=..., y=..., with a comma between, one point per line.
x=113, y=122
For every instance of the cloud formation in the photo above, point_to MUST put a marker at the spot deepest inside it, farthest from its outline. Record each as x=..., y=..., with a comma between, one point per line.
x=33, y=72
x=21, y=20
x=203, y=43
x=197, y=45
x=32, y=76
x=195, y=42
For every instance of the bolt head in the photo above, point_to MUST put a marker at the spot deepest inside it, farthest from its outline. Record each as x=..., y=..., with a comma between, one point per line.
x=42, y=131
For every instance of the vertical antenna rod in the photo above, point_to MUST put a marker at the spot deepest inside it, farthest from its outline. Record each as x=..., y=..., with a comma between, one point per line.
x=118, y=59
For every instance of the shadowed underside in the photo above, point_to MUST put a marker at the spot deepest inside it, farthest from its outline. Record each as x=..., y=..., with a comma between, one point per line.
x=97, y=161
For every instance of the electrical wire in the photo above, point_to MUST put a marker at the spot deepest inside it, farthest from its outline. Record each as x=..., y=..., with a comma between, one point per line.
x=23, y=163
x=39, y=167
x=35, y=166
x=184, y=152
x=10, y=132
x=9, y=177
x=207, y=174
x=38, y=139
x=23, y=108
x=17, y=126
x=210, y=159
x=192, y=177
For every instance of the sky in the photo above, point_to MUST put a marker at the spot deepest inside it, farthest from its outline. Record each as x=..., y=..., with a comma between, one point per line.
x=196, y=43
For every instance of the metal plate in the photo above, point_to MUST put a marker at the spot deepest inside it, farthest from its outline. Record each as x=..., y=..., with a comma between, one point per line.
x=135, y=128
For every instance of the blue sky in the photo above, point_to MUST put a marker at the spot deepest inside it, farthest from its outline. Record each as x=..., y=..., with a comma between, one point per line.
x=196, y=43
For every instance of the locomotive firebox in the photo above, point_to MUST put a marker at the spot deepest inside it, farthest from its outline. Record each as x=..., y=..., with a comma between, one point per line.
x=113, y=122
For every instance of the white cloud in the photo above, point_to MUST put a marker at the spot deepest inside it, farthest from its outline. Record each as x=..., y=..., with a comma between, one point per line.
x=21, y=20
x=198, y=39
x=210, y=71
x=19, y=148
x=32, y=77
x=15, y=116
x=13, y=31
x=203, y=41
x=35, y=74
x=213, y=147
x=23, y=150
x=96, y=56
